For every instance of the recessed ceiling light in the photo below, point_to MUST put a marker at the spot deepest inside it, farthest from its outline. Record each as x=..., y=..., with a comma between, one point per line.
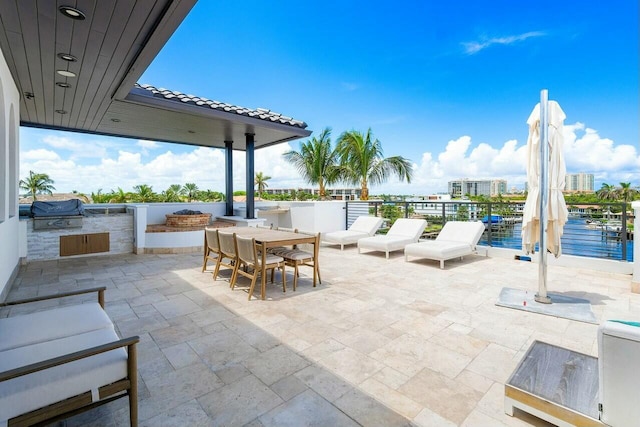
x=191, y=131
x=115, y=120
x=67, y=57
x=63, y=85
x=61, y=111
x=28, y=95
x=72, y=12
x=66, y=73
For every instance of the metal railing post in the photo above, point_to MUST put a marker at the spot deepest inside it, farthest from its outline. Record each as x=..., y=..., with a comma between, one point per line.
x=623, y=232
x=346, y=214
x=489, y=224
x=406, y=209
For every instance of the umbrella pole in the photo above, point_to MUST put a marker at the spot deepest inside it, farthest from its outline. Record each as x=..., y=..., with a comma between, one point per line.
x=541, y=296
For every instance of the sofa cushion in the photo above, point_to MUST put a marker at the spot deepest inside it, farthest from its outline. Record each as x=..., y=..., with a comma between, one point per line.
x=366, y=224
x=33, y=391
x=384, y=243
x=52, y=324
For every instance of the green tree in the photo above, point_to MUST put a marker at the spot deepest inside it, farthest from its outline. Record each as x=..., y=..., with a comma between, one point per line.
x=37, y=183
x=172, y=194
x=99, y=197
x=119, y=196
x=316, y=161
x=144, y=193
x=625, y=192
x=190, y=190
x=261, y=182
x=607, y=192
x=362, y=161
x=210, y=196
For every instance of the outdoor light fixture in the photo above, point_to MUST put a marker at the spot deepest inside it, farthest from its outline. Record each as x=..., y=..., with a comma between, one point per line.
x=115, y=120
x=191, y=131
x=28, y=95
x=66, y=73
x=61, y=111
x=67, y=57
x=72, y=12
x=63, y=85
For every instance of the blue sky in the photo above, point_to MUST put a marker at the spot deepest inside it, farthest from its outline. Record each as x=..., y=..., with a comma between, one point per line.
x=449, y=86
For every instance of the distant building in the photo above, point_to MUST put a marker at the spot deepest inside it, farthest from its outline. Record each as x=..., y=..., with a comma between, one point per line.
x=485, y=187
x=579, y=183
x=334, y=193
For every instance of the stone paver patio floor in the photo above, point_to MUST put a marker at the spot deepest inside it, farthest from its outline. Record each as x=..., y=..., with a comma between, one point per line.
x=379, y=343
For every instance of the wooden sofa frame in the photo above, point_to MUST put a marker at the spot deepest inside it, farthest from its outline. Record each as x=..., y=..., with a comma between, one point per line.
x=82, y=402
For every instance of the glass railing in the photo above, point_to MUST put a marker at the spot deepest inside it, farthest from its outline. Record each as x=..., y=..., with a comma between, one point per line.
x=600, y=230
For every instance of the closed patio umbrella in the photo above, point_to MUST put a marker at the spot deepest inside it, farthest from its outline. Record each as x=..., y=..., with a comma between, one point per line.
x=546, y=172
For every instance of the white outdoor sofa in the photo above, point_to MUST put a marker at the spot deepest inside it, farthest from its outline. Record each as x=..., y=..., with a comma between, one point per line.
x=363, y=226
x=59, y=362
x=456, y=240
x=403, y=232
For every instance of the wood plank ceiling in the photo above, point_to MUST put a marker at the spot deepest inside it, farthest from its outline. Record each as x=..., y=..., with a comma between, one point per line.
x=110, y=49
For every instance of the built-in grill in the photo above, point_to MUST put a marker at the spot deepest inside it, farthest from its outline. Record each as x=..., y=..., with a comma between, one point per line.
x=57, y=214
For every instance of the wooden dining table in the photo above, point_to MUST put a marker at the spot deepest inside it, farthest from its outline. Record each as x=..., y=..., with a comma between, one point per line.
x=268, y=238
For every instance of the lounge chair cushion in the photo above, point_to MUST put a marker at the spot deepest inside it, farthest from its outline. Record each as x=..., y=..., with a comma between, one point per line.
x=51, y=324
x=33, y=391
x=456, y=239
x=403, y=232
x=363, y=226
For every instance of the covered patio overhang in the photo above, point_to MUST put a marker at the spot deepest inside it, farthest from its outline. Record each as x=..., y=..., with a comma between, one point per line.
x=76, y=69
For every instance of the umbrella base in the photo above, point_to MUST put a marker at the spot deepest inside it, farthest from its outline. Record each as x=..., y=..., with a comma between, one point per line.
x=542, y=300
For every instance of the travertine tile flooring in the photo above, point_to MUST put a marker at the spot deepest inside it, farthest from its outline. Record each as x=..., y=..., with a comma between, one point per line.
x=379, y=343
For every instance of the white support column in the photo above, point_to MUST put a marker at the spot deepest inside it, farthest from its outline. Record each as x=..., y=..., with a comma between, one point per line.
x=635, y=282
x=139, y=228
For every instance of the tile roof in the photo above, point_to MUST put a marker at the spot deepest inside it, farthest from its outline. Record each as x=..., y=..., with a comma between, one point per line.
x=258, y=113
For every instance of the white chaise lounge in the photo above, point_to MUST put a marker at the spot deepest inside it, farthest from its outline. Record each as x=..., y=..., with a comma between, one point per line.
x=456, y=239
x=403, y=232
x=363, y=226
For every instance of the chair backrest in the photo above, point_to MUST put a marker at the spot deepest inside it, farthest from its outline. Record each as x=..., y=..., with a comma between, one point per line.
x=468, y=232
x=227, y=243
x=366, y=224
x=247, y=250
x=212, y=238
x=316, y=244
x=290, y=230
x=411, y=228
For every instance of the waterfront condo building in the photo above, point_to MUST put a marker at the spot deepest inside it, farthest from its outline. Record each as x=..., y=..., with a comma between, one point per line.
x=485, y=187
x=579, y=183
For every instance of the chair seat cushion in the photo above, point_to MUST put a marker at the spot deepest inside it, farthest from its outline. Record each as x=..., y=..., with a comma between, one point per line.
x=438, y=249
x=271, y=259
x=18, y=331
x=295, y=254
x=39, y=389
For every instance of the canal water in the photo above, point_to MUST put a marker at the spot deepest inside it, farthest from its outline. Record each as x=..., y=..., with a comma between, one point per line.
x=578, y=239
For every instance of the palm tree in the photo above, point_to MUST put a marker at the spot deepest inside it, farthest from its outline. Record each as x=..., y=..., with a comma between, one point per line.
x=362, y=161
x=190, y=190
x=606, y=192
x=119, y=196
x=144, y=193
x=625, y=192
x=261, y=182
x=37, y=183
x=316, y=161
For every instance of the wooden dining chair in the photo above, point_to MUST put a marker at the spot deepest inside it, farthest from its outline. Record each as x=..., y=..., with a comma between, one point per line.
x=248, y=257
x=297, y=257
x=211, y=246
x=229, y=252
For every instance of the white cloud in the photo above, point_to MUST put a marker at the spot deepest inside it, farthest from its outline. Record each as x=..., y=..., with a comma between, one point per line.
x=84, y=148
x=147, y=144
x=585, y=151
x=473, y=47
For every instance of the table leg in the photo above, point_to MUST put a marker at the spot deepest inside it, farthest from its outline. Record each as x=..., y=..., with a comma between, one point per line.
x=263, y=273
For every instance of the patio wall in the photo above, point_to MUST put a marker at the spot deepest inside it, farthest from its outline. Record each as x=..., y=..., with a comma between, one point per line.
x=9, y=152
